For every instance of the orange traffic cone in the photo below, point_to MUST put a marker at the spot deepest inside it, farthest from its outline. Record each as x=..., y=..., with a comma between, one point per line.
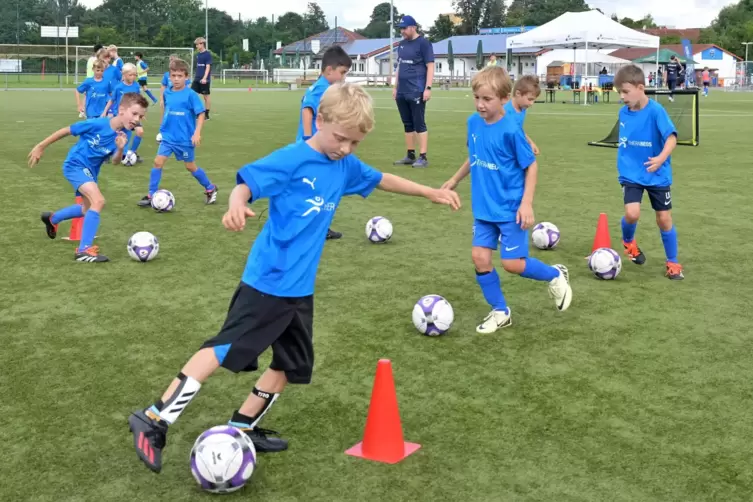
x=602, y=239
x=76, y=224
x=383, y=435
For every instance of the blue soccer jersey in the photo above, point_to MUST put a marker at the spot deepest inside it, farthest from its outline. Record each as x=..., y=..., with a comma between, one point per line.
x=499, y=154
x=304, y=188
x=311, y=100
x=113, y=76
x=519, y=116
x=643, y=134
x=121, y=89
x=179, y=122
x=412, y=58
x=166, y=80
x=95, y=145
x=97, y=96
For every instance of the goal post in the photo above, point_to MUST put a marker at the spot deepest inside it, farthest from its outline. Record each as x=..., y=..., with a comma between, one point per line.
x=158, y=59
x=245, y=75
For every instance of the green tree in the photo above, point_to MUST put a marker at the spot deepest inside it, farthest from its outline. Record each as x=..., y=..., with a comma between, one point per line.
x=314, y=20
x=378, y=26
x=470, y=11
x=670, y=39
x=494, y=14
x=538, y=12
x=442, y=29
x=290, y=27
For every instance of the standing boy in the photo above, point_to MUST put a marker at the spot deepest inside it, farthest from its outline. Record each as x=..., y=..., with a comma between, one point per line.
x=96, y=91
x=128, y=85
x=142, y=70
x=524, y=95
x=202, y=79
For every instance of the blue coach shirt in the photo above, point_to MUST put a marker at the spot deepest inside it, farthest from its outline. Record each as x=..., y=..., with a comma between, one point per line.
x=519, y=116
x=304, y=188
x=311, y=100
x=97, y=95
x=499, y=155
x=179, y=122
x=643, y=134
x=120, y=89
x=202, y=60
x=412, y=57
x=96, y=144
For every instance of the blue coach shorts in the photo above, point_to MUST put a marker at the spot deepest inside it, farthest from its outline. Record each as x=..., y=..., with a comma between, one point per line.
x=77, y=176
x=412, y=112
x=182, y=153
x=512, y=239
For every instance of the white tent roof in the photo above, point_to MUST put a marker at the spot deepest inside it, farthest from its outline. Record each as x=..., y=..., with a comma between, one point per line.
x=590, y=29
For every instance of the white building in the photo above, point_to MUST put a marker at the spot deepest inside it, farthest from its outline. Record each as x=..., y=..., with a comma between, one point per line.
x=720, y=62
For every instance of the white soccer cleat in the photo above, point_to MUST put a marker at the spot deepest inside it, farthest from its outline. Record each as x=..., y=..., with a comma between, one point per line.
x=560, y=290
x=497, y=319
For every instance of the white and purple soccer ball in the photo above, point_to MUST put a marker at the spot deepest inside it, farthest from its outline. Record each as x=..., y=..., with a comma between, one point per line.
x=605, y=263
x=378, y=229
x=130, y=158
x=143, y=246
x=223, y=459
x=433, y=315
x=163, y=201
x=545, y=235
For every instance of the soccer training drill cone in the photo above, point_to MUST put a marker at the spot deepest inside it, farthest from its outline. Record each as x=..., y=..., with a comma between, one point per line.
x=602, y=239
x=76, y=224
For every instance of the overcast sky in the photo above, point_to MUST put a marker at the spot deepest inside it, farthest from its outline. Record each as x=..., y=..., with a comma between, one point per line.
x=355, y=14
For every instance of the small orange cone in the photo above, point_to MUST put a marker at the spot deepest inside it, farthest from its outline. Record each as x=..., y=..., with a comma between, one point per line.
x=383, y=435
x=602, y=239
x=76, y=224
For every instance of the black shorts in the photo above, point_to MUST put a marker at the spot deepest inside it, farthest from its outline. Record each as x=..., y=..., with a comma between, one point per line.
x=706, y=84
x=200, y=88
x=661, y=197
x=412, y=112
x=142, y=83
x=256, y=321
x=672, y=84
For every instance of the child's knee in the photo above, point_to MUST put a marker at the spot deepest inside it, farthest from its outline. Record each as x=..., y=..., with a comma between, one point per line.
x=97, y=202
x=516, y=266
x=632, y=213
x=482, y=259
x=139, y=132
x=159, y=162
x=664, y=220
x=191, y=167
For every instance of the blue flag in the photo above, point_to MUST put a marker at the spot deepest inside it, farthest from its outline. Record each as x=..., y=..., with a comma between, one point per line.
x=687, y=49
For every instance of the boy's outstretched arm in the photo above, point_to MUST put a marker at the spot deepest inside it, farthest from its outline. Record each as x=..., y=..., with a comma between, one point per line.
x=464, y=171
x=654, y=163
x=396, y=184
x=238, y=210
x=37, y=152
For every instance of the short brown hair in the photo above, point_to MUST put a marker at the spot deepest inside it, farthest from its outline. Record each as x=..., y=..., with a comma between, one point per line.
x=496, y=78
x=133, y=98
x=179, y=65
x=348, y=105
x=99, y=65
x=527, y=84
x=629, y=74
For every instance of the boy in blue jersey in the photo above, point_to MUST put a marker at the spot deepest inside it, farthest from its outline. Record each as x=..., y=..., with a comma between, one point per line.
x=273, y=305
x=503, y=173
x=96, y=91
x=112, y=75
x=128, y=85
x=99, y=139
x=646, y=141
x=142, y=70
x=335, y=66
x=181, y=133
x=524, y=94
x=166, y=83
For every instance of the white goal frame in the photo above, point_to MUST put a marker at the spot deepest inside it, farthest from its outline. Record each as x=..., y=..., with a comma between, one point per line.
x=264, y=74
x=86, y=50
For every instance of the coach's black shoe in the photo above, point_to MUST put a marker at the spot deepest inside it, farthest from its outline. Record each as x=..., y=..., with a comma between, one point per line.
x=145, y=201
x=211, y=195
x=406, y=161
x=634, y=252
x=331, y=234
x=262, y=443
x=90, y=255
x=52, y=229
x=149, y=438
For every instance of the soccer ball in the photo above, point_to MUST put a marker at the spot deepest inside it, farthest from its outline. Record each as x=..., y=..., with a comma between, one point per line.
x=159, y=137
x=378, y=229
x=605, y=263
x=143, y=246
x=433, y=315
x=130, y=158
x=223, y=459
x=546, y=235
x=163, y=201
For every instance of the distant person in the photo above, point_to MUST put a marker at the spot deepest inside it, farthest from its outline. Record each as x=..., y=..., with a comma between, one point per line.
x=674, y=69
x=92, y=59
x=202, y=79
x=142, y=69
x=492, y=60
x=706, y=81
x=604, y=71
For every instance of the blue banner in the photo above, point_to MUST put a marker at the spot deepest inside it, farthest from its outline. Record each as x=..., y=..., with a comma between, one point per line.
x=508, y=30
x=687, y=49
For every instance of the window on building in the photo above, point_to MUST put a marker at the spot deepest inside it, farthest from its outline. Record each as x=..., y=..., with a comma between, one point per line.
x=360, y=67
x=439, y=67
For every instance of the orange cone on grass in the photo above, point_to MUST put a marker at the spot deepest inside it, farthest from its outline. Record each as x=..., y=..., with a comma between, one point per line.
x=76, y=224
x=602, y=239
x=383, y=434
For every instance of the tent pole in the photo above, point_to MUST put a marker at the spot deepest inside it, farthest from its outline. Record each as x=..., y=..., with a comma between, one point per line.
x=656, y=73
x=585, y=75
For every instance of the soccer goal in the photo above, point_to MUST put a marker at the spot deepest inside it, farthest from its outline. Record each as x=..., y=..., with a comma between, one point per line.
x=683, y=111
x=245, y=76
x=157, y=58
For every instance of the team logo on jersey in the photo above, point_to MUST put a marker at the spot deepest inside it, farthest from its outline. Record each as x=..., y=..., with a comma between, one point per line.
x=94, y=144
x=623, y=142
x=317, y=204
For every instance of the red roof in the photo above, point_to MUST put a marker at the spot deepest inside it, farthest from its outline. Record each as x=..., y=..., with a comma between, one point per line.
x=335, y=35
x=635, y=53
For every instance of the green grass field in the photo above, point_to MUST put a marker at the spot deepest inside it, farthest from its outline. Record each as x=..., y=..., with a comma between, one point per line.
x=640, y=392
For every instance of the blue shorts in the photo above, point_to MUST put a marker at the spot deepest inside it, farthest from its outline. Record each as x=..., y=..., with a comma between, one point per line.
x=660, y=197
x=182, y=153
x=77, y=176
x=512, y=239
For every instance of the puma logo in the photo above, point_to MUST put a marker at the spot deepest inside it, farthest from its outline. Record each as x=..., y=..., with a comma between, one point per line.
x=310, y=182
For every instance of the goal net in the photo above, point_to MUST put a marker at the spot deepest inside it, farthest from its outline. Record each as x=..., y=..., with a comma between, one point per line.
x=157, y=58
x=245, y=76
x=683, y=112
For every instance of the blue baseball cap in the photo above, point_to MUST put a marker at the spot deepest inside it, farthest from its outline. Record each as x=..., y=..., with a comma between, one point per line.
x=407, y=21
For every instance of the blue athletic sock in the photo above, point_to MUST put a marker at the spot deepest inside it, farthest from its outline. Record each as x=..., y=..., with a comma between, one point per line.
x=136, y=143
x=539, y=271
x=89, y=230
x=628, y=230
x=202, y=178
x=669, y=239
x=492, y=289
x=154, y=180
x=151, y=96
x=67, y=213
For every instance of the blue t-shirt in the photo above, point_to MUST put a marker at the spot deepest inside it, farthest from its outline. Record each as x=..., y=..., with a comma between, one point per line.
x=179, y=122
x=643, y=134
x=118, y=64
x=304, y=188
x=113, y=76
x=120, y=89
x=412, y=57
x=97, y=96
x=95, y=145
x=311, y=100
x=202, y=60
x=499, y=155
x=519, y=116
x=166, y=80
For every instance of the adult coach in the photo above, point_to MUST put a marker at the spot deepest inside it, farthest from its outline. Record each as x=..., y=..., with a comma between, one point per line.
x=202, y=77
x=92, y=59
x=415, y=72
x=674, y=69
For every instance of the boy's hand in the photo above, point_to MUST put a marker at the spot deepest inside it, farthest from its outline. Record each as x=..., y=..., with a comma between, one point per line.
x=235, y=218
x=653, y=164
x=450, y=184
x=394, y=93
x=81, y=109
x=535, y=148
x=121, y=140
x=524, y=218
x=35, y=155
x=196, y=139
x=444, y=196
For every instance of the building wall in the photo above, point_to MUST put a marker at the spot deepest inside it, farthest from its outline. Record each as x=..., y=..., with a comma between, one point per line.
x=522, y=65
x=715, y=58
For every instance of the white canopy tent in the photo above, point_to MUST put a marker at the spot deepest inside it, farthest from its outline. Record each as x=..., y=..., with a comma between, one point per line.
x=584, y=30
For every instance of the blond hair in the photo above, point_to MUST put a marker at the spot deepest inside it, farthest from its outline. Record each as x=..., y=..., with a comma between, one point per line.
x=527, y=84
x=494, y=77
x=347, y=105
x=200, y=40
x=629, y=74
x=129, y=68
x=99, y=65
x=103, y=53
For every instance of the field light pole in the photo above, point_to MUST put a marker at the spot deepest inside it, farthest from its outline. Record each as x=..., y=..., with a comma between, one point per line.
x=392, y=32
x=206, y=24
x=746, y=44
x=66, y=47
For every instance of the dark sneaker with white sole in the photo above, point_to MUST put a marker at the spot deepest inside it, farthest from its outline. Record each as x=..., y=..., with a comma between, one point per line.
x=52, y=229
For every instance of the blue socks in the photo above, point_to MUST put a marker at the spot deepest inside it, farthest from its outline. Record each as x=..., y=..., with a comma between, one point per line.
x=89, y=230
x=539, y=271
x=154, y=179
x=492, y=289
x=67, y=213
x=151, y=96
x=669, y=239
x=136, y=144
x=202, y=178
x=628, y=230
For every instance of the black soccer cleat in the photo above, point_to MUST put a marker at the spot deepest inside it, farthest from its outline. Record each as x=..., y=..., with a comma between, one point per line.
x=149, y=438
x=331, y=234
x=145, y=201
x=52, y=229
x=90, y=255
x=211, y=195
x=262, y=443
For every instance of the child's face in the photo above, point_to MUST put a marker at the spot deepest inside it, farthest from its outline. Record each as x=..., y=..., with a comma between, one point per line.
x=335, y=74
x=98, y=73
x=488, y=104
x=524, y=101
x=131, y=116
x=632, y=94
x=178, y=78
x=129, y=77
x=337, y=141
